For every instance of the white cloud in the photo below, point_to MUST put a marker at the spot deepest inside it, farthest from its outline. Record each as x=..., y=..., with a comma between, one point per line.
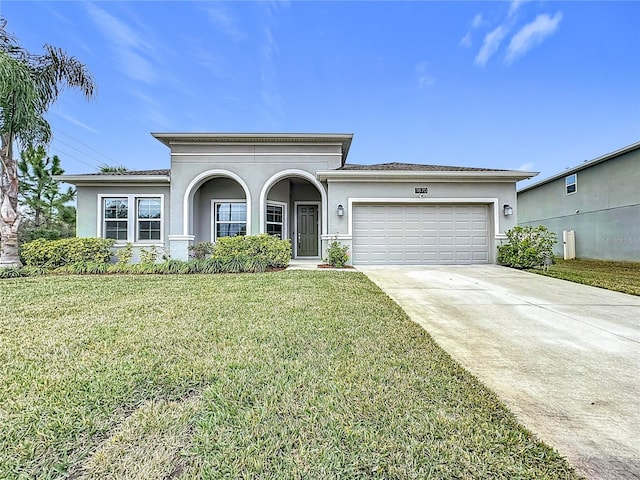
x=477, y=22
x=532, y=35
x=466, y=40
x=224, y=21
x=490, y=44
x=515, y=5
x=425, y=79
x=130, y=47
x=75, y=121
x=151, y=111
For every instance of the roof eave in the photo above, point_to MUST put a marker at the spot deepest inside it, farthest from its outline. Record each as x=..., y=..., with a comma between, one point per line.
x=343, y=138
x=91, y=179
x=368, y=175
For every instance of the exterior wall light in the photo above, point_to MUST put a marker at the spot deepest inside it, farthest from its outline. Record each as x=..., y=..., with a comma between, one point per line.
x=340, y=210
x=508, y=210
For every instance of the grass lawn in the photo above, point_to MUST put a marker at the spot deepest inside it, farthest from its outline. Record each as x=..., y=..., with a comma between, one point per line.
x=277, y=375
x=619, y=276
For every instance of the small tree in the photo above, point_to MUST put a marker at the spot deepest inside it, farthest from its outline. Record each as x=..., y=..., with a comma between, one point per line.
x=527, y=247
x=39, y=193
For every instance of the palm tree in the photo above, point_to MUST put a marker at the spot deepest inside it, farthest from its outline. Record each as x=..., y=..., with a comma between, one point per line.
x=29, y=85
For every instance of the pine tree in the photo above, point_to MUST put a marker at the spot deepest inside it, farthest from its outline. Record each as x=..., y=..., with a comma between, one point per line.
x=38, y=192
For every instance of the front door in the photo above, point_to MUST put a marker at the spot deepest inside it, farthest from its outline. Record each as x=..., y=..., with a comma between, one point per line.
x=307, y=222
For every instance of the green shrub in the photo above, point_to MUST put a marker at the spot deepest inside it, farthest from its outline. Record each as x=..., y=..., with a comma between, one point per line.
x=261, y=249
x=337, y=254
x=149, y=256
x=173, y=266
x=527, y=247
x=202, y=250
x=92, y=256
x=32, y=271
x=12, y=272
x=83, y=268
x=147, y=267
x=125, y=254
x=57, y=253
x=120, y=268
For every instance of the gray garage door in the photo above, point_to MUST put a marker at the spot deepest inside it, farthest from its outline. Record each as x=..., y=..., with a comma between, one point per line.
x=420, y=234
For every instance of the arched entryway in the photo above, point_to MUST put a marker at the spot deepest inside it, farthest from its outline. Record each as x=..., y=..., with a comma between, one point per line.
x=217, y=204
x=293, y=204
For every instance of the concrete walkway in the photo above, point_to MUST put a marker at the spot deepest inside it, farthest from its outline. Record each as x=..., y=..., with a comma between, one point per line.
x=564, y=357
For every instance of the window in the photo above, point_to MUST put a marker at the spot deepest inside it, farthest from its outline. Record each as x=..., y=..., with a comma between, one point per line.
x=571, y=183
x=116, y=218
x=275, y=220
x=130, y=218
x=230, y=219
x=148, y=219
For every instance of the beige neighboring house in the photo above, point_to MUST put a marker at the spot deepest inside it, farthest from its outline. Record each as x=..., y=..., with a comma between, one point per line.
x=300, y=187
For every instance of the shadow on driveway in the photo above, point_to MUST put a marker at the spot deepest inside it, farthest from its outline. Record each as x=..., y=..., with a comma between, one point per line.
x=564, y=357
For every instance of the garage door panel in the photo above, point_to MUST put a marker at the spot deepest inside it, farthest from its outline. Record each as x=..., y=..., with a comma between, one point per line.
x=445, y=225
x=430, y=241
x=463, y=225
x=479, y=225
x=463, y=241
x=480, y=241
x=445, y=257
x=446, y=241
x=480, y=257
x=420, y=234
x=412, y=240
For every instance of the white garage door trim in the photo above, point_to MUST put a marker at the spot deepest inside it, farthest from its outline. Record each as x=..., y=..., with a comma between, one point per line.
x=411, y=252
x=493, y=201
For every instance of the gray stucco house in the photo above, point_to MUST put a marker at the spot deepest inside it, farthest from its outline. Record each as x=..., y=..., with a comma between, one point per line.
x=599, y=200
x=299, y=186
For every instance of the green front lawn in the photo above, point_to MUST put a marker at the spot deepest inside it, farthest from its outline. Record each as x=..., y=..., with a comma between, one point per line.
x=619, y=276
x=278, y=375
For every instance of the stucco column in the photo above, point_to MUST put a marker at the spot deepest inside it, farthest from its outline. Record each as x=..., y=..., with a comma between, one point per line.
x=179, y=246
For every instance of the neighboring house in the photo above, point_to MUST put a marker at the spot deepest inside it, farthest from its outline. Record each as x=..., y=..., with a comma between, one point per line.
x=298, y=186
x=599, y=200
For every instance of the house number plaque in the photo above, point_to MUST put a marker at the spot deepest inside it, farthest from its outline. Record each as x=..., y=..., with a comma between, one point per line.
x=421, y=190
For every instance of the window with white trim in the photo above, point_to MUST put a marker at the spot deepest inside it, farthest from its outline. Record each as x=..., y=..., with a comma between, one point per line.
x=230, y=219
x=132, y=218
x=571, y=183
x=116, y=218
x=149, y=214
x=275, y=220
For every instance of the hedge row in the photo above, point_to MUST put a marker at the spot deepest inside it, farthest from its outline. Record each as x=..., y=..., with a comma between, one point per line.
x=266, y=248
x=239, y=264
x=57, y=253
x=93, y=256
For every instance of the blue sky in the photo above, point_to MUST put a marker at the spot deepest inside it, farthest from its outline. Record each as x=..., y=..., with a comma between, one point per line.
x=530, y=85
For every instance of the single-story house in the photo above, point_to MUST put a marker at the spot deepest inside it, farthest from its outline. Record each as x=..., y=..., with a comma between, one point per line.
x=299, y=186
x=598, y=200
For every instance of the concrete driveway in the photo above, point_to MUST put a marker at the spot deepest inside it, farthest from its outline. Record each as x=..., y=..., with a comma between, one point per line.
x=564, y=357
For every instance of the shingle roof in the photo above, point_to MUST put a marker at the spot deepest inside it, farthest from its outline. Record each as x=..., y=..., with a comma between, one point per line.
x=164, y=171
x=415, y=167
